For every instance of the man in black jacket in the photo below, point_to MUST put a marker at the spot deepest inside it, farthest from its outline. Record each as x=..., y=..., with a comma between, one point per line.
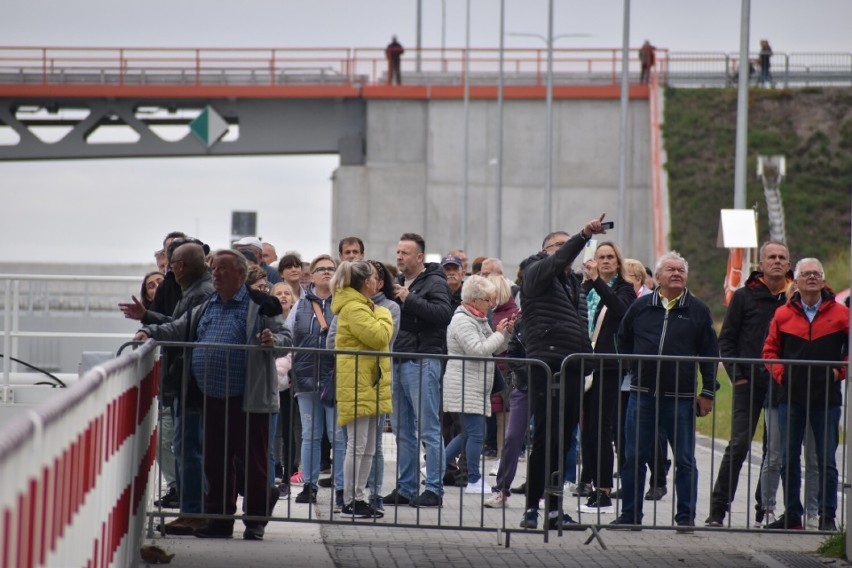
x=426, y=311
x=555, y=320
x=743, y=333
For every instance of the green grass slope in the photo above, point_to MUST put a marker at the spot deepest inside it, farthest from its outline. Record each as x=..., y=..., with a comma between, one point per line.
x=811, y=127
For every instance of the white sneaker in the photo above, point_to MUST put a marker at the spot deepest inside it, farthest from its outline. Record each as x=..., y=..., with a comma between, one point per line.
x=494, y=469
x=811, y=521
x=769, y=518
x=497, y=501
x=478, y=488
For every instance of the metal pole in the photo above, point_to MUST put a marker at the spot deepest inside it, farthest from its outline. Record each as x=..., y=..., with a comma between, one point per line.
x=621, y=214
x=742, y=111
x=548, y=185
x=419, y=32
x=466, y=190
x=500, y=135
x=846, y=487
x=443, y=34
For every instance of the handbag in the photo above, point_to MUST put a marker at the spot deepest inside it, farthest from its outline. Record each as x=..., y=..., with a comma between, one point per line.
x=327, y=387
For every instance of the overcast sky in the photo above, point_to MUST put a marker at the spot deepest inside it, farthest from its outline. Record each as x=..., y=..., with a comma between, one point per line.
x=118, y=210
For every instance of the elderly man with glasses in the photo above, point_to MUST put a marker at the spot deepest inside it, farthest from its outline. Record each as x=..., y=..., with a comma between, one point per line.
x=812, y=326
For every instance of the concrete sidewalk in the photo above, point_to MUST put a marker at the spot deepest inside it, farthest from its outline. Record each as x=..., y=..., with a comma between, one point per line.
x=471, y=535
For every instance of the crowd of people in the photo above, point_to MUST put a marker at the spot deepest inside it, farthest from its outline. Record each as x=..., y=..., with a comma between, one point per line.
x=366, y=344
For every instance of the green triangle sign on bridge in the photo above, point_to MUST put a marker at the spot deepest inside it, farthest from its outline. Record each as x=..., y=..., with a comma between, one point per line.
x=209, y=126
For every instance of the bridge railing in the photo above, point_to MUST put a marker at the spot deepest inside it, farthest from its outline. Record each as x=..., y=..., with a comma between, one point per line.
x=366, y=66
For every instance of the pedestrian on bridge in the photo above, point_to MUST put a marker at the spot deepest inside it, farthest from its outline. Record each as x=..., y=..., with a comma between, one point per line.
x=393, y=53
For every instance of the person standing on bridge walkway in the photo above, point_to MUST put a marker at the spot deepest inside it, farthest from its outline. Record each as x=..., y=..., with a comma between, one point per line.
x=647, y=58
x=393, y=53
x=812, y=326
x=743, y=333
x=664, y=396
x=240, y=389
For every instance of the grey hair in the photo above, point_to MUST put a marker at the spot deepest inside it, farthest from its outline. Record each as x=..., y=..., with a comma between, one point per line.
x=496, y=263
x=476, y=288
x=671, y=255
x=768, y=243
x=240, y=260
x=808, y=261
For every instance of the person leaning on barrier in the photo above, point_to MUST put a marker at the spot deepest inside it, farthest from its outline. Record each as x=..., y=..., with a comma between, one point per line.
x=362, y=382
x=467, y=384
x=812, y=326
x=555, y=322
x=664, y=395
x=742, y=336
x=240, y=389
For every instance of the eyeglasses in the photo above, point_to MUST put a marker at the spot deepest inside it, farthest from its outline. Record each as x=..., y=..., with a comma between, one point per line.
x=810, y=274
x=323, y=269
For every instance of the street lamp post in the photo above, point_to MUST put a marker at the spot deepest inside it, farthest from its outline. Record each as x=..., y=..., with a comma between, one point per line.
x=549, y=40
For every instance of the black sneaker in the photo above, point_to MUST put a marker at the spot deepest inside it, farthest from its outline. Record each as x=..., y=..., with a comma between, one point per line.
x=215, y=529
x=788, y=522
x=599, y=500
x=338, y=500
x=715, y=520
x=307, y=495
x=427, y=499
x=530, y=519
x=759, y=513
x=520, y=489
x=395, y=498
x=827, y=524
x=624, y=524
x=567, y=524
x=326, y=482
x=583, y=490
x=169, y=500
x=655, y=493
x=377, y=503
x=254, y=532
x=685, y=527
x=360, y=510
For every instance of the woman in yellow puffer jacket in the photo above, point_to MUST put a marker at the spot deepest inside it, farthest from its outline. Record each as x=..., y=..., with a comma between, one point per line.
x=362, y=383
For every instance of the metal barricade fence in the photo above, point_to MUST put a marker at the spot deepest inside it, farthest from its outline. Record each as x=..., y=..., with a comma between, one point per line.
x=712, y=456
x=566, y=402
x=416, y=423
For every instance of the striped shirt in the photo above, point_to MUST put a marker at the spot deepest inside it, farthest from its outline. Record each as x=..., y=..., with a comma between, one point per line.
x=221, y=373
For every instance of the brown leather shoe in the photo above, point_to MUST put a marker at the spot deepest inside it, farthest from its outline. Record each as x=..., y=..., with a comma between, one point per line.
x=184, y=526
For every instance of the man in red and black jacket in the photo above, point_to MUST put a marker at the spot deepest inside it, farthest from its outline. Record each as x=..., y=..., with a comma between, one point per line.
x=812, y=326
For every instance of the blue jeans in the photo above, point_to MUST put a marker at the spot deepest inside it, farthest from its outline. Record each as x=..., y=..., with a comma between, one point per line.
x=571, y=458
x=792, y=420
x=417, y=416
x=676, y=419
x=315, y=417
x=189, y=464
x=471, y=437
x=273, y=428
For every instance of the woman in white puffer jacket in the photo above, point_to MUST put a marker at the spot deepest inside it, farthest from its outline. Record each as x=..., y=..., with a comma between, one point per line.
x=467, y=384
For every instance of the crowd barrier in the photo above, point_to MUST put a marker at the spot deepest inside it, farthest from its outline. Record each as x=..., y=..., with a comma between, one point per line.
x=76, y=471
x=462, y=510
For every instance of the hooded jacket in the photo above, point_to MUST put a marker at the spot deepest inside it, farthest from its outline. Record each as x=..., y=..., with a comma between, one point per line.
x=425, y=314
x=554, y=305
x=792, y=336
x=363, y=382
x=310, y=370
x=746, y=325
x=467, y=384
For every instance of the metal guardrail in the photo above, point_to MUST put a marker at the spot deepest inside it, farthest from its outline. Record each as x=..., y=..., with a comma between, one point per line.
x=462, y=511
x=367, y=66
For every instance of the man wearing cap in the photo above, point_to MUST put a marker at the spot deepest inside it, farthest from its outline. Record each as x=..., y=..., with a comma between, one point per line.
x=255, y=245
x=454, y=270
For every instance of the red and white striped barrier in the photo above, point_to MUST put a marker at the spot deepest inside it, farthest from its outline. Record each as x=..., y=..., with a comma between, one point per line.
x=75, y=471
